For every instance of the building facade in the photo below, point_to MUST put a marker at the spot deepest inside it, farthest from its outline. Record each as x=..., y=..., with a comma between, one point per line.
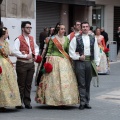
x=50, y=12
x=46, y=13
x=99, y=13
x=110, y=17
x=13, y=12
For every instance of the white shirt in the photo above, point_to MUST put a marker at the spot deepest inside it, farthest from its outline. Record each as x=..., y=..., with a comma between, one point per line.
x=86, y=42
x=76, y=34
x=16, y=48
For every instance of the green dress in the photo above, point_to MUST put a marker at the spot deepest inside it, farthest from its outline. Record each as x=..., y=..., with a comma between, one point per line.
x=60, y=86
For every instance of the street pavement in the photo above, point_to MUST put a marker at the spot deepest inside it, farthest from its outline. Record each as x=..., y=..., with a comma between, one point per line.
x=105, y=102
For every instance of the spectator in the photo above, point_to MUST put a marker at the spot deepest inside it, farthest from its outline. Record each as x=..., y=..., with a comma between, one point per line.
x=77, y=30
x=105, y=35
x=42, y=37
x=118, y=39
x=90, y=32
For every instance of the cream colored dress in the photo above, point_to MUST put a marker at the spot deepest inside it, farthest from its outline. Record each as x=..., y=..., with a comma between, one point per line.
x=60, y=86
x=9, y=92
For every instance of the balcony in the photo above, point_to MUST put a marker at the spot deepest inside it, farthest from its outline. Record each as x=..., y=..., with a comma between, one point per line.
x=77, y=2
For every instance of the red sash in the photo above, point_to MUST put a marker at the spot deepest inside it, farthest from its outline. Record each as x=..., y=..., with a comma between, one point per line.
x=59, y=46
x=72, y=35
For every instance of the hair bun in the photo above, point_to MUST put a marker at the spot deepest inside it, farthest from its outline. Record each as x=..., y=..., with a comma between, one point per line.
x=2, y=31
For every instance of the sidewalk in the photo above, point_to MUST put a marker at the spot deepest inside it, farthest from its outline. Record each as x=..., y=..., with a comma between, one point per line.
x=118, y=59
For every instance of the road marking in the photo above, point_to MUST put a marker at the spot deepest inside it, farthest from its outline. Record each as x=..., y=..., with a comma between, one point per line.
x=113, y=96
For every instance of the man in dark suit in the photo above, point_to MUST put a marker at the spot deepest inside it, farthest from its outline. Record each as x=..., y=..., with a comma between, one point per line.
x=105, y=35
x=42, y=37
x=118, y=39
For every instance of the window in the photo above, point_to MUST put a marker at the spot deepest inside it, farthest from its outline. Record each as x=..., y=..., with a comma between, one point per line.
x=97, y=16
x=14, y=9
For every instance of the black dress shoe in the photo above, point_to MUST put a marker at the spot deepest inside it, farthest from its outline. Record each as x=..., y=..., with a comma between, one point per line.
x=28, y=106
x=2, y=109
x=87, y=106
x=81, y=107
x=19, y=107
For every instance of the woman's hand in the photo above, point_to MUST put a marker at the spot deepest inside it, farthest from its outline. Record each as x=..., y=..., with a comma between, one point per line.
x=23, y=52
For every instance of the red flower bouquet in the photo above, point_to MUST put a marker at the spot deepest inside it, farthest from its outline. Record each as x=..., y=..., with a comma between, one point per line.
x=106, y=50
x=0, y=69
x=39, y=59
x=48, y=67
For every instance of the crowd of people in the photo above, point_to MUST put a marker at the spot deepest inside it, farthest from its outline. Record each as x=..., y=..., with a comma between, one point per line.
x=65, y=71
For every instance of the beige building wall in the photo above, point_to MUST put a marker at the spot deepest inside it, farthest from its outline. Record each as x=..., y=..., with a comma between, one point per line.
x=108, y=14
x=18, y=8
x=64, y=16
x=13, y=13
x=108, y=2
x=90, y=15
x=109, y=20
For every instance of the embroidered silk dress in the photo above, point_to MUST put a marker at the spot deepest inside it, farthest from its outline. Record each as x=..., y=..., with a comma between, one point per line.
x=104, y=62
x=60, y=86
x=9, y=92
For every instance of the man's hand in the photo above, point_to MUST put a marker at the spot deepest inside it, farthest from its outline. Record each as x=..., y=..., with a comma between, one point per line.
x=82, y=57
x=23, y=52
x=35, y=58
x=29, y=56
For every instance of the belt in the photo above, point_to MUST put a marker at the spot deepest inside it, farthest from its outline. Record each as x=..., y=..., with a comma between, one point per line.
x=25, y=60
x=87, y=58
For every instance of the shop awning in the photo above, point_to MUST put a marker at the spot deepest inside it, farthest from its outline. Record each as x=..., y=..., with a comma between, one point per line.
x=76, y=2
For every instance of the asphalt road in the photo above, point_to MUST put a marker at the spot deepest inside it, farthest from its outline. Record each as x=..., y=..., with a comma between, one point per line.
x=105, y=102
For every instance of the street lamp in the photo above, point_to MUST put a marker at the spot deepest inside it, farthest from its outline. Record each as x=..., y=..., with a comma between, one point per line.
x=0, y=12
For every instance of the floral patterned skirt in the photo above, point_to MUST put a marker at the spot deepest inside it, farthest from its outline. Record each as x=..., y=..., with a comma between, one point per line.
x=60, y=86
x=9, y=92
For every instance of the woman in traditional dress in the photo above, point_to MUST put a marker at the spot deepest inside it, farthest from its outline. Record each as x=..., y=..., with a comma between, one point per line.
x=9, y=92
x=60, y=86
x=104, y=60
x=39, y=73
